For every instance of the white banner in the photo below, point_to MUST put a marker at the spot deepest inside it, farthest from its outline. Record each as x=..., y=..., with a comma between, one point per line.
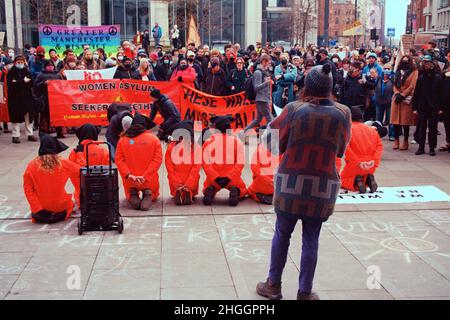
x=396, y=195
x=90, y=74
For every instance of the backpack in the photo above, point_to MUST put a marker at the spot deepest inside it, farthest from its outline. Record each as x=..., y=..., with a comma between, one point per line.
x=249, y=89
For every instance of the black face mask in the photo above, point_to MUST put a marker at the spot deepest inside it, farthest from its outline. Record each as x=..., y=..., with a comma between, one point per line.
x=284, y=62
x=213, y=65
x=191, y=59
x=127, y=66
x=404, y=66
x=183, y=67
x=318, y=57
x=231, y=59
x=278, y=54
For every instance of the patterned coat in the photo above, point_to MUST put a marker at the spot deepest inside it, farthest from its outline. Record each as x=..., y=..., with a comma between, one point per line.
x=311, y=136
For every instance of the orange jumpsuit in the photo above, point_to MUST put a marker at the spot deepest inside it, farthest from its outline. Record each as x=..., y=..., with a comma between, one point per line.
x=140, y=156
x=98, y=156
x=224, y=156
x=365, y=145
x=183, y=174
x=263, y=166
x=46, y=190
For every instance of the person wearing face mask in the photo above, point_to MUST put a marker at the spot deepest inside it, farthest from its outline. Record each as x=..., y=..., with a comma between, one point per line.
x=236, y=82
x=71, y=64
x=384, y=90
x=120, y=58
x=165, y=65
x=37, y=62
x=322, y=59
x=110, y=62
x=276, y=56
x=285, y=76
x=229, y=63
x=89, y=61
x=20, y=99
x=144, y=72
x=4, y=59
x=41, y=89
x=197, y=67
x=184, y=73
x=99, y=59
x=402, y=116
x=215, y=79
x=158, y=71
x=427, y=104
x=355, y=89
x=126, y=70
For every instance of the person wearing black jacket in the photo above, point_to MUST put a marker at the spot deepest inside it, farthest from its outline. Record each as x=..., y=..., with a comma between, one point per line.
x=20, y=99
x=126, y=70
x=322, y=58
x=116, y=113
x=167, y=110
x=427, y=104
x=237, y=79
x=354, y=91
x=445, y=98
x=215, y=81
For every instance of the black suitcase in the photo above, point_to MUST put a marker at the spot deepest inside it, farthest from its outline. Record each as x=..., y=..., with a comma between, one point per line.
x=99, y=197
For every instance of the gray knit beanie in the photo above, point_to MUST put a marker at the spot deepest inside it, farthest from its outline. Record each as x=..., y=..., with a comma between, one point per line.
x=319, y=81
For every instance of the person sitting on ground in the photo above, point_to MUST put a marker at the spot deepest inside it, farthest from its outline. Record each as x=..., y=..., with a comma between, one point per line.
x=98, y=156
x=167, y=110
x=363, y=156
x=263, y=166
x=44, y=182
x=183, y=172
x=138, y=159
x=223, y=171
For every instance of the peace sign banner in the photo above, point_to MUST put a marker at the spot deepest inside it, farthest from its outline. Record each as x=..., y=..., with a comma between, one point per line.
x=60, y=38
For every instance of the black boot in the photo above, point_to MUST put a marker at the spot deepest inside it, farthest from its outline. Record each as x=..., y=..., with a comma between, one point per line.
x=359, y=184
x=234, y=196
x=147, y=202
x=187, y=198
x=420, y=152
x=371, y=183
x=15, y=140
x=135, y=202
x=432, y=152
x=178, y=198
x=265, y=198
x=208, y=196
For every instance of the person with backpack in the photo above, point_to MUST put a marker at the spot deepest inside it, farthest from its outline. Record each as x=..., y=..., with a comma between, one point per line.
x=262, y=88
x=238, y=77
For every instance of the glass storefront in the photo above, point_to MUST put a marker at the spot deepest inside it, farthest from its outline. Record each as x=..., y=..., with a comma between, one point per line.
x=35, y=12
x=132, y=15
x=216, y=20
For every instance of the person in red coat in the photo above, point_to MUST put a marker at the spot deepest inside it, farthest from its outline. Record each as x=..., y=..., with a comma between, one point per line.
x=138, y=159
x=362, y=157
x=263, y=166
x=223, y=162
x=98, y=156
x=183, y=171
x=184, y=73
x=44, y=182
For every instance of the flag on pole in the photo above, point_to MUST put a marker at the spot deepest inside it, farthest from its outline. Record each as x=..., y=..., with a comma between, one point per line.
x=193, y=36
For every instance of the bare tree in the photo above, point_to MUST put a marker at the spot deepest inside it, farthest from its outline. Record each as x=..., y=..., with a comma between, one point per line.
x=302, y=20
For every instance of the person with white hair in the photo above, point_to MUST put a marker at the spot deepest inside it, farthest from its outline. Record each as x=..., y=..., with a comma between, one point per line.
x=175, y=36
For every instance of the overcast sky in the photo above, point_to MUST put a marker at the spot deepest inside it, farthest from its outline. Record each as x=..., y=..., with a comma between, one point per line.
x=396, y=15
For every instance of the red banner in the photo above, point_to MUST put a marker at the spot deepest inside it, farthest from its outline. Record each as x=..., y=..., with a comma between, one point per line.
x=199, y=106
x=4, y=113
x=74, y=103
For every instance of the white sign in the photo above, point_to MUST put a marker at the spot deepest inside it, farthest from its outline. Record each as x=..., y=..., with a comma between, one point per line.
x=90, y=74
x=396, y=195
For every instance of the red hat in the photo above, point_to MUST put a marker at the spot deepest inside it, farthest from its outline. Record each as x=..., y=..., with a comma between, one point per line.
x=154, y=56
x=40, y=49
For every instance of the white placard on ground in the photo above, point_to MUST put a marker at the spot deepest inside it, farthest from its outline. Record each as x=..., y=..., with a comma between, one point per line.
x=396, y=195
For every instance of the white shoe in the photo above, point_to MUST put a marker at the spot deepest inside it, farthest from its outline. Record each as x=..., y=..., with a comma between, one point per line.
x=414, y=142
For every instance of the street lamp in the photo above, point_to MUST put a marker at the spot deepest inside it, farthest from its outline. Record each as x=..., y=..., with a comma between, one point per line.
x=356, y=18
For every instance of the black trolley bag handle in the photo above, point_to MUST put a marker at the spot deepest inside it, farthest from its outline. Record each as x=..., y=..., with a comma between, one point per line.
x=87, y=155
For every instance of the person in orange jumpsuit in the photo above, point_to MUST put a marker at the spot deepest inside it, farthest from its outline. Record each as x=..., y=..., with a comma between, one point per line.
x=138, y=159
x=263, y=166
x=183, y=171
x=363, y=156
x=44, y=183
x=97, y=155
x=223, y=162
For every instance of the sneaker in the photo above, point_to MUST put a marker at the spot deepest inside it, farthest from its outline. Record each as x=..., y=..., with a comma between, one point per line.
x=307, y=296
x=359, y=184
x=265, y=198
x=234, y=196
x=432, y=152
x=178, y=198
x=147, y=202
x=32, y=138
x=414, y=142
x=135, y=202
x=420, y=152
x=208, y=196
x=269, y=290
x=371, y=183
x=15, y=140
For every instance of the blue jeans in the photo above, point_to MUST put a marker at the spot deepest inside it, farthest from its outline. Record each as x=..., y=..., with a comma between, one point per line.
x=310, y=247
x=381, y=109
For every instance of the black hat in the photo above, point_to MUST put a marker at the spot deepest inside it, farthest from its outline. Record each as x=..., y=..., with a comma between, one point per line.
x=87, y=132
x=20, y=57
x=323, y=51
x=185, y=125
x=222, y=123
x=50, y=145
x=155, y=93
x=356, y=114
x=47, y=63
x=319, y=81
x=125, y=59
x=143, y=121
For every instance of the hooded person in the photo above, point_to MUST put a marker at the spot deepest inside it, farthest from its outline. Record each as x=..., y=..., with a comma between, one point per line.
x=44, y=182
x=126, y=70
x=264, y=164
x=116, y=113
x=183, y=168
x=223, y=162
x=167, y=109
x=363, y=156
x=138, y=159
x=98, y=156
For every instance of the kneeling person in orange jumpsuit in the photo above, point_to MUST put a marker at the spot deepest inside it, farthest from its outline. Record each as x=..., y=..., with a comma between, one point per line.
x=263, y=166
x=183, y=171
x=363, y=156
x=97, y=155
x=223, y=162
x=138, y=159
x=44, y=182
